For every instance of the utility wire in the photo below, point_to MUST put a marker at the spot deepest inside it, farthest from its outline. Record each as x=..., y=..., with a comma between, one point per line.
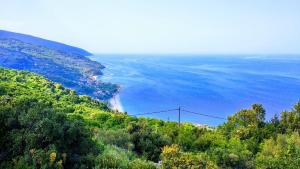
x=184, y=110
x=216, y=117
x=161, y=111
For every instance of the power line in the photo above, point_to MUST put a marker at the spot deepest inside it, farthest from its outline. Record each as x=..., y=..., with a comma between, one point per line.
x=179, y=114
x=161, y=111
x=201, y=114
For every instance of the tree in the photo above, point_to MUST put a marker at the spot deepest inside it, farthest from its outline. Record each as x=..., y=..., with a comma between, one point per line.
x=290, y=120
x=146, y=142
x=280, y=152
x=297, y=108
x=37, y=134
x=260, y=111
x=248, y=126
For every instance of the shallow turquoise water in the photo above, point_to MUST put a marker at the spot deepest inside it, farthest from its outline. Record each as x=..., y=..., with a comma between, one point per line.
x=214, y=85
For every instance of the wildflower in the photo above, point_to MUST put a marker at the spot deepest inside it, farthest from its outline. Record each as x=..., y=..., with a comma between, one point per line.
x=52, y=156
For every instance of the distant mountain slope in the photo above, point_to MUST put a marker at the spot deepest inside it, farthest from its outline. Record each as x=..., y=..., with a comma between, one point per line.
x=71, y=69
x=42, y=42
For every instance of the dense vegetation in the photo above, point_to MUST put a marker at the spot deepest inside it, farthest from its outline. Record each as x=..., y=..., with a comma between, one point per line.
x=71, y=69
x=44, y=125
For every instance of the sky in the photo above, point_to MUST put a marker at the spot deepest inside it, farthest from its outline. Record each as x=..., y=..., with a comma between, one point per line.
x=160, y=26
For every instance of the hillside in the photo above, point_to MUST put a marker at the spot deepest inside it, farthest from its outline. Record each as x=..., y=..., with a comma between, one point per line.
x=54, y=61
x=43, y=42
x=45, y=125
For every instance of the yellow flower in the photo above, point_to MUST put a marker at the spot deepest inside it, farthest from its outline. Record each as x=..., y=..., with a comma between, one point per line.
x=52, y=156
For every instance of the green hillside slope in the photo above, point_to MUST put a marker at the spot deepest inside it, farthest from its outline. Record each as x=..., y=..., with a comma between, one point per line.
x=44, y=125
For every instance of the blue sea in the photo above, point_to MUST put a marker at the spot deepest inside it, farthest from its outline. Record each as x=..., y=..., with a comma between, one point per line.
x=215, y=85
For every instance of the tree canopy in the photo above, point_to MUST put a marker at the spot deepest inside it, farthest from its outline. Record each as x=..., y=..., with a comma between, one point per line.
x=45, y=125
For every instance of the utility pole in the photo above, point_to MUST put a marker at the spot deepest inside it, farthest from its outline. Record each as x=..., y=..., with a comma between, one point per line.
x=179, y=116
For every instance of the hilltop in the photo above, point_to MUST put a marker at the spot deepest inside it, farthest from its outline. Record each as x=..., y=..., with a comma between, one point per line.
x=43, y=42
x=58, y=62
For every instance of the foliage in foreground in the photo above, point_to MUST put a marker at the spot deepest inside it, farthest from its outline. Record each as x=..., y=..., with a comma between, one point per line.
x=44, y=125
x=280, y=152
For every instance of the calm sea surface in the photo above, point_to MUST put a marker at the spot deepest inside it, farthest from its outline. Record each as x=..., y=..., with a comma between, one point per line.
x=213, y=85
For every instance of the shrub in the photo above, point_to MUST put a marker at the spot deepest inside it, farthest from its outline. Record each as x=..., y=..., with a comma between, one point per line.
x=113, y=157
x=173, y=157
x=280, y=152
x=140, y=164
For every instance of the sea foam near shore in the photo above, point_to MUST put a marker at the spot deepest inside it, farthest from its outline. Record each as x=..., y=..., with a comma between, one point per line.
x=115, y=103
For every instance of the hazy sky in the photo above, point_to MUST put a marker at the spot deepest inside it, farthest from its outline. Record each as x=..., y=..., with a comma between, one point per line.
x=160, y=26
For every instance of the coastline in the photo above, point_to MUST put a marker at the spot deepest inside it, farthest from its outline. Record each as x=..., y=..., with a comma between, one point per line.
x=115, y=103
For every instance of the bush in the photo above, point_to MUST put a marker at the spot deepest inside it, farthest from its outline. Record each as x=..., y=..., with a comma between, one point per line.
x=147, y=143
x=34, y=129
x=173, y=157
x=280, y=152
x=113, y=157
x=140, y=164
x=118, y=137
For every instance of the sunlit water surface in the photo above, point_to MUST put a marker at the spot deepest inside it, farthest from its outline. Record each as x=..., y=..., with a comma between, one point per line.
x=214, y=85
